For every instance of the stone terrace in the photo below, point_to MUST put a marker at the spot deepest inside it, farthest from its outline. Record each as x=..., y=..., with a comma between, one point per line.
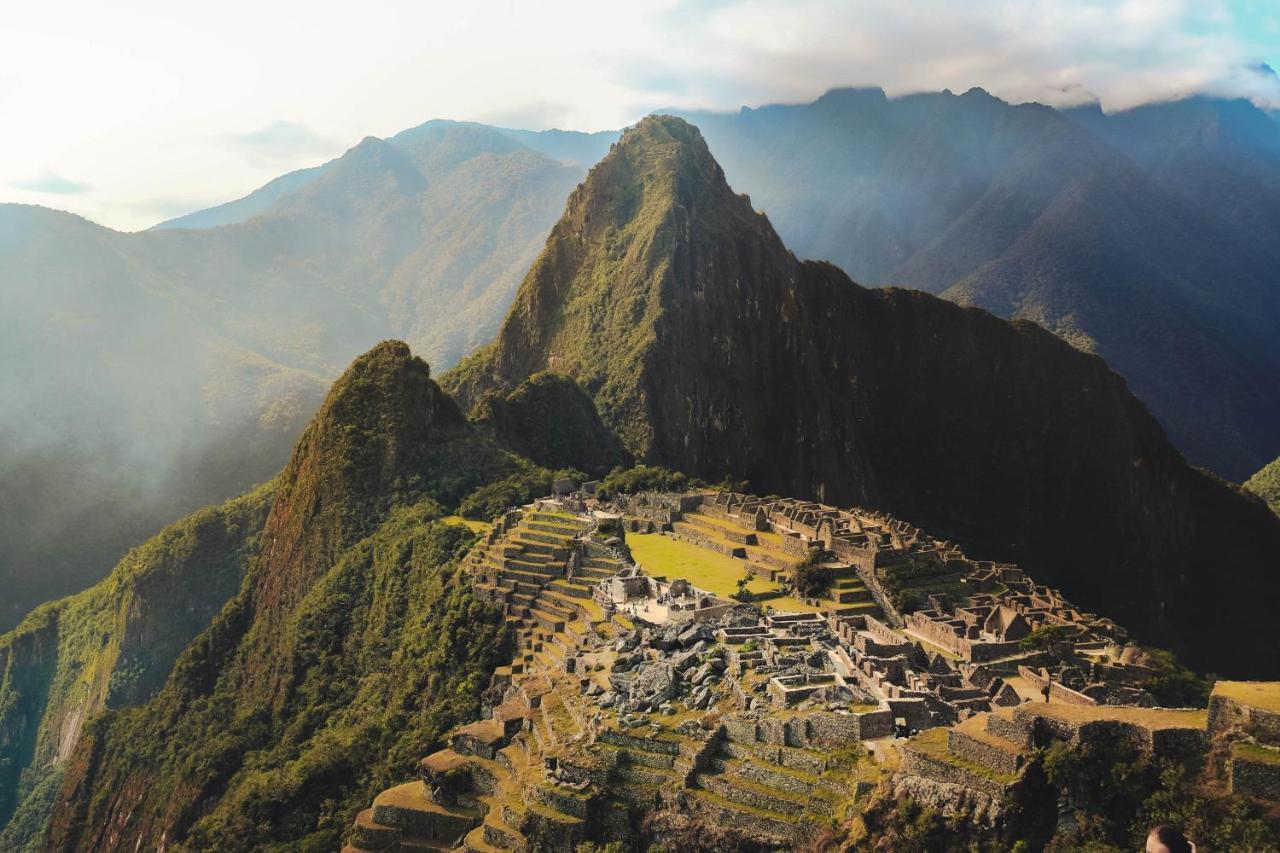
x=770, y=721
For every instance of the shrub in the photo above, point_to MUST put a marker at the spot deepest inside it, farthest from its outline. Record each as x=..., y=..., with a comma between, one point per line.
x=811, y=580
x=642, y=478
x=1045, y=637
x=488, y=502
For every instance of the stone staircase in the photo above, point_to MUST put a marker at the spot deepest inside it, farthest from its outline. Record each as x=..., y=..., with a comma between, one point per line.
x=537, y=774
x=534, y=566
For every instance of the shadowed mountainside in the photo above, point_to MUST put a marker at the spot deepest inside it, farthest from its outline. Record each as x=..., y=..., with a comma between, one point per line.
x=110, y=646
x=1141, y=236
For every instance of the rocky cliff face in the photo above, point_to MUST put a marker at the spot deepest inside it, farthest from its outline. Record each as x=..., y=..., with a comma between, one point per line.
x=708, y=347
x=111, y=646
x=349, y=649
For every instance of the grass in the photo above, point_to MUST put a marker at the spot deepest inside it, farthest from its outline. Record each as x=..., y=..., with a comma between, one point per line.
x=469, y=523
x=1255, y=694
x=1155, y=718
x=1253, y=752
x=933, y=744
x=706, y=569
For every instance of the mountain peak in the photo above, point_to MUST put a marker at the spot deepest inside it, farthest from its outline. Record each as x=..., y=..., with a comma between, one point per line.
x=653, y=225
x=662, y=146
x=364, y=452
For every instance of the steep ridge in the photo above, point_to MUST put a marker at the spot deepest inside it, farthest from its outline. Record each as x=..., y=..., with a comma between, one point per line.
x=111, y=646
x=352, y=644
x=708, y=347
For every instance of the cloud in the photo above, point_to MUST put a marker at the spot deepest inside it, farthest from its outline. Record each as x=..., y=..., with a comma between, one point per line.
x=52, y=184
x=1123, y=52
x=283, y=143
x=530, y=115
x=196, y=106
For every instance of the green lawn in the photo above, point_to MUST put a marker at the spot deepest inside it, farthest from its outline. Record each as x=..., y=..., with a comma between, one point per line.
x=1256, y=694
x=708, y=570
x=1253, y=752
x=469, y=523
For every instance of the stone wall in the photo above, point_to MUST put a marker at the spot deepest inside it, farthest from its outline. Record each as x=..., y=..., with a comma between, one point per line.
x=981, y=752
x=919, y=764
x=1253, y=777
x=1226, y=714
x=819, y=730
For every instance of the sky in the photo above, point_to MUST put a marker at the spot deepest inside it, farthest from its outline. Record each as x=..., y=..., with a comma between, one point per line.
x=135, y=111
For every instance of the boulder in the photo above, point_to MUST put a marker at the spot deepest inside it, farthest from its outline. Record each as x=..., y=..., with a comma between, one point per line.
x=694, y=633
x=655, y=684
x=684, y=661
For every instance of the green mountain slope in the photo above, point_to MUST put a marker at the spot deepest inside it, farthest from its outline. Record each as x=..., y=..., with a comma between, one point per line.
x=110, y=646
x=351, y=646
x=1266, y=485
x=710, y=349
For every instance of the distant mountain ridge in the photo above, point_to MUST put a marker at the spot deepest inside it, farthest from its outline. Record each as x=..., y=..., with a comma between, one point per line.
x=1141, y=235
x=149, y=374
x=571, y=147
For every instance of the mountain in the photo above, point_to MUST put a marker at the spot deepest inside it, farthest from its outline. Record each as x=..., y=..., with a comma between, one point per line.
x=122, y=407
x=1222, y=155
x=352, y=644
x=149, y=374
x=254, y=204
x=570, y=147
x=1266, y=485
x=709, y=348
x=110, y=646
x=1141, y=236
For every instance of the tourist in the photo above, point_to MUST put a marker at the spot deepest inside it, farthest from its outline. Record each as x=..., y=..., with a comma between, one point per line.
x=1168, y=839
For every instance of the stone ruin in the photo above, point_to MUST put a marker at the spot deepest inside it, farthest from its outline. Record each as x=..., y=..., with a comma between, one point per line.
x=656, y=600
x=630, y=694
